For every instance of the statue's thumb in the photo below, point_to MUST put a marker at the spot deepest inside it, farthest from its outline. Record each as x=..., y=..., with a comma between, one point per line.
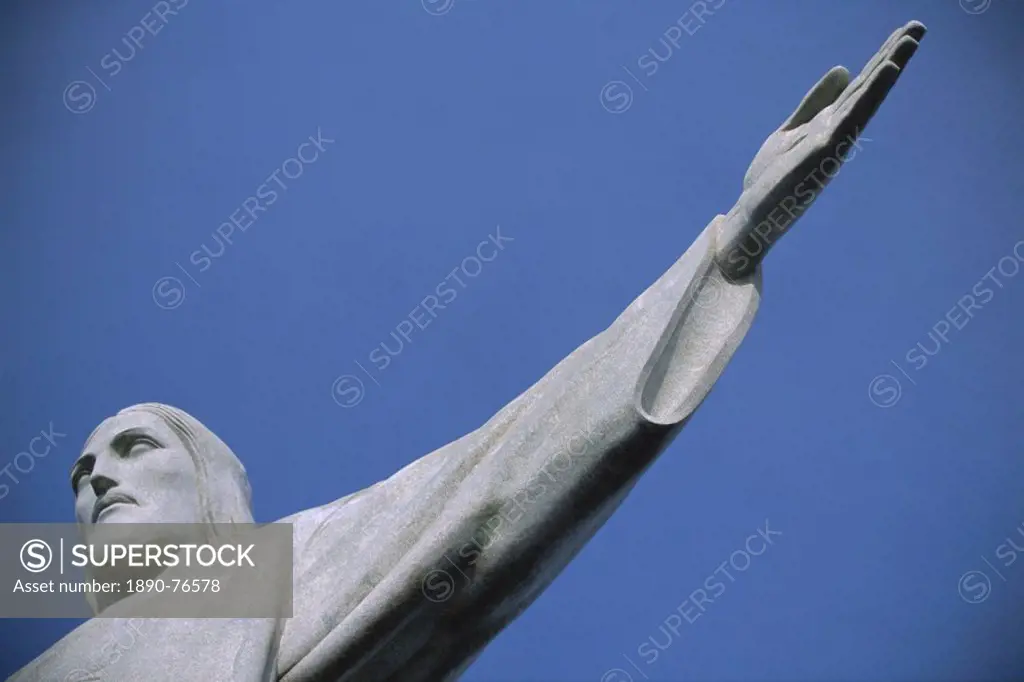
x=824, y=93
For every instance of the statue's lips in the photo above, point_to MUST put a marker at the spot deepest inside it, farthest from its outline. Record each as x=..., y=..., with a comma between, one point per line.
x=108, y=501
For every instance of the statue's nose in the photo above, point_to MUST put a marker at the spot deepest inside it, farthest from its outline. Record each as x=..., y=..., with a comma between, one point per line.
x=101, y=484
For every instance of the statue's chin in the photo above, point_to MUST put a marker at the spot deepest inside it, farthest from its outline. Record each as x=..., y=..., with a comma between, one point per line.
x=119, y=524
x=122, y=574
x=130, y=525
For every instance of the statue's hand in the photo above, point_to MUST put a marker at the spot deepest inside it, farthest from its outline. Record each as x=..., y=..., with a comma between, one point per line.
x=824, y=125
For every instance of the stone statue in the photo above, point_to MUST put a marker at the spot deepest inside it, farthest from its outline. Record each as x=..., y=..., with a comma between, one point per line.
x=409, y=579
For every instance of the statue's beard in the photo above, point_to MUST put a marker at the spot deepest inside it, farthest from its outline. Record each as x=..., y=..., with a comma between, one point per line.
x=103, y=536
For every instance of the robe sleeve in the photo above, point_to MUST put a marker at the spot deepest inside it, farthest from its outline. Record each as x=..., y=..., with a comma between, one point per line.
x=463, y=540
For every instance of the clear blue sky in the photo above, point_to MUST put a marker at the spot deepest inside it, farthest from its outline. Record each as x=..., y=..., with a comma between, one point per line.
x=449, y=124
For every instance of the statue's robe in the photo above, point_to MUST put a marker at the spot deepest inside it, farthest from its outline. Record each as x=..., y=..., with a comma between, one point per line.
x=410, y=578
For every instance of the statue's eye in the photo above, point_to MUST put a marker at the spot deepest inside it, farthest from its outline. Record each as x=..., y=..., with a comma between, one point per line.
x=139, y=445
x=82, y=469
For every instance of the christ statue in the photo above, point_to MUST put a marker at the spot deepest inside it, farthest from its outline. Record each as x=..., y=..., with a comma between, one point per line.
x=409, y=579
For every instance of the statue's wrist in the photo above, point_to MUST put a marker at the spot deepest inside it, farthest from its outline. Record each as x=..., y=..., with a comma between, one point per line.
x=734, y=255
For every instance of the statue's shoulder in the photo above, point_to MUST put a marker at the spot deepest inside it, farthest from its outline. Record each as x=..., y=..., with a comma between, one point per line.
x=308, y=523
x=351, y=516
x=306, y=516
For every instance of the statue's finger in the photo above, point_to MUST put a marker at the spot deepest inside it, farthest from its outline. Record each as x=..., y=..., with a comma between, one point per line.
x=914, y=30
x=824, y=93
x=904, y=50
x=854, y=116
x=879, y=57
x=900, y=54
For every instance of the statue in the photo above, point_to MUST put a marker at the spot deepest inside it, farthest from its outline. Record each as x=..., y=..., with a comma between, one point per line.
x=410, y=578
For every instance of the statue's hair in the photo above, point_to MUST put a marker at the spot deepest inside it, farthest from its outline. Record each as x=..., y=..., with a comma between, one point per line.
x=214, y=462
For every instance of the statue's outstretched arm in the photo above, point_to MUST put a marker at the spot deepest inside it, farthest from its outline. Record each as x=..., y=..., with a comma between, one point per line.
x=581, y=436
x=596, y=420
x=460, y=542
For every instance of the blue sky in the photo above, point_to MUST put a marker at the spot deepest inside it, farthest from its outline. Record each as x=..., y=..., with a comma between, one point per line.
x=889, y=480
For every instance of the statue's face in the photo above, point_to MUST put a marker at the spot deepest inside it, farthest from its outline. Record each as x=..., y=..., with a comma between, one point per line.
x=135, y=469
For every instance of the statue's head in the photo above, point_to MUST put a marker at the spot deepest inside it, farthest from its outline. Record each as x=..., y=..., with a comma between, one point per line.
x=155, y=464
